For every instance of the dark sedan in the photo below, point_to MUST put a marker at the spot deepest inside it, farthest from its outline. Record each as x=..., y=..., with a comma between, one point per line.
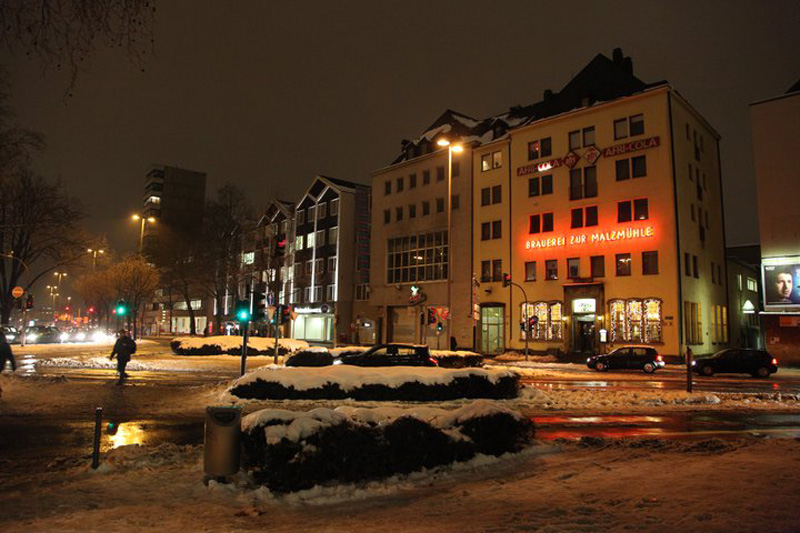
x=757, y=363
x=391, y=355
x=643, y=358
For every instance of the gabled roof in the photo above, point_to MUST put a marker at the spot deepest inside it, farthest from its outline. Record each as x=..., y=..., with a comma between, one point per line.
x=794, y=88
x=601, y=80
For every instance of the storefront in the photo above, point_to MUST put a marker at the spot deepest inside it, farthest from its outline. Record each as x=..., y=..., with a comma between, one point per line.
x=314, y=324
x=492, y=339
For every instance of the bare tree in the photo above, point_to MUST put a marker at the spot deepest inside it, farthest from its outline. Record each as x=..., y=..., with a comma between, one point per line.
x=64, y=34
x=97, y=290
x=16, y=143
x=134, y=281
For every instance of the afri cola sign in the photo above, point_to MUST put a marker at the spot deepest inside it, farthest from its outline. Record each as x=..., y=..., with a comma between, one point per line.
x=592, y=154
x=597, y=237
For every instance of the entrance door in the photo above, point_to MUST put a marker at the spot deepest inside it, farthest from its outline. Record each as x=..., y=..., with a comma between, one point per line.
x=492, y=341
x=584, y=333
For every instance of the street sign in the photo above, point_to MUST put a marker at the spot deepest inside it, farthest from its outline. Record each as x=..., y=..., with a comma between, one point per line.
x=17, y=292
x=270, y=299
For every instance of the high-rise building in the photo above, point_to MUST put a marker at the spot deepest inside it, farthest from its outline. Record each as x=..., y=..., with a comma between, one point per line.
x=775, y=142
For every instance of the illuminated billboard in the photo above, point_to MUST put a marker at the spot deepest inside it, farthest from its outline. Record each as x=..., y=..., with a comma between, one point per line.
x=781, y=280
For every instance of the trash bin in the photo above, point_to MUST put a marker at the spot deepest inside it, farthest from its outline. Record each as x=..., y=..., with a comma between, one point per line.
x=223, y=435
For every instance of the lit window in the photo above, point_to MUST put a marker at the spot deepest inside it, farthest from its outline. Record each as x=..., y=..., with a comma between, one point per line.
x=334, y=207
x=310, y=240
x=333, y=235
x=623, y=264
x=530, y=271
x=298, y=242
x=154, y=199
x=248, y=258
x=573, y=268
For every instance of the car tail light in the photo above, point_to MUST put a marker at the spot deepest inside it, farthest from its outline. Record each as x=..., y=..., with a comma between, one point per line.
x=774, y=361
x=659, y=358
x=433, y=361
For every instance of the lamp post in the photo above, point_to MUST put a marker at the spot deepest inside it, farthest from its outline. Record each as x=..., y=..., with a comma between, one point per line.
x=94, y=256
x=457, y=148
x=53, y=296
x=59, y=275
x=144, y=220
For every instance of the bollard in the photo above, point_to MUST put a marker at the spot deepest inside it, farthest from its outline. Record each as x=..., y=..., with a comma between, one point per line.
x=98, y=421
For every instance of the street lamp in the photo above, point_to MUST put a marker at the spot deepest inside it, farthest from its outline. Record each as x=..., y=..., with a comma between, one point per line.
x=94, y=255
x=59, y=275
x=144, y=220
x=451, y=148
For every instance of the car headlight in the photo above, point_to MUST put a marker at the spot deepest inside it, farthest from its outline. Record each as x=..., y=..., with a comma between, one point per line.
x=64, y=337
x=33, y=336
x=98, y=336
x=9, y=337
x=81, y=336
x=694, y=363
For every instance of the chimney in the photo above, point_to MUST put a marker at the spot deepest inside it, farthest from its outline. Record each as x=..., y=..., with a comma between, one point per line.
x=616, y=56
x=548, y=94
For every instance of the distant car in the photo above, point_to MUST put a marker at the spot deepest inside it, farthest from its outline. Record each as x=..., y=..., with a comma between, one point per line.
x=390, y=355
x=11, y=333
x=757, y=363
x=43, y=335
x=644, y=358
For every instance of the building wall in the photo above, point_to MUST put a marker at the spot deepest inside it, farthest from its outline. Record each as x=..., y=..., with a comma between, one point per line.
x=393, y=297
x=744, y=299
x=661, y=226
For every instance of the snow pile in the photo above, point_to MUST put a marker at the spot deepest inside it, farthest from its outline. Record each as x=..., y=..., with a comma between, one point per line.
x=232, y=344
x=139, y=458
x=289, y=451
x=531, y=397
x=451, y=353
x=341, y=350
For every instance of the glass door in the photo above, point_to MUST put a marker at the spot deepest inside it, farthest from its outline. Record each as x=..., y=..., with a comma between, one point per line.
x=492, y=330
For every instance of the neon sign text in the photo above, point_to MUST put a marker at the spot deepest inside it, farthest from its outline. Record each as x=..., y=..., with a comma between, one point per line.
x=591, y=238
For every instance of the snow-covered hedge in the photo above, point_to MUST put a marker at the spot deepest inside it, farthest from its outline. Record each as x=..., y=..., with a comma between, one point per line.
x=401, y=383
x=232, y=345
x=289, y=451
x=313, y=356
x=445, y=358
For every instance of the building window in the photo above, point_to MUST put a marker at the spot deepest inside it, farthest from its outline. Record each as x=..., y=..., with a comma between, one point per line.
x=334, y=207
x=329, y=295
x=398, y=214
x=400, y=184
x=540, y=148
x=639, y=166
x=455, y=202
x=497, y=270
x=301, y=217
x=540, y=185
x=310, y=240
x=412, y=210
x=439, y=173
x=693, y=322
x=248, y=258
x=412, y=181
x=623, y=169
x=695, y=267
x=426, y=208
x=584, y=216
x=322, y=211
x=597, y=264
x=497, y=229
x=588, y=136
x=426, y=177
x=387, y=188
x=333, y=235
x=551, y=269
x=318, y=293
x=632, y=210
x=497, y=159
x=321, y=238
x=713, y=273
x=635, y=320
x=649, y=263
x=440, y=205
x=530, y=271
x=387, y=216
x=623, y=262
x=549, y=326
x=630, y=126
x=573, y=268
x=486, y=196
x=491, y=230
x=640, y=209
x=582, y=183
x=486, y=271
x=541, y=223
x=332, y=265
x=497, y=194
x=752, y=284
x=298, y=242
x=421, y=257
x=486, y=231
x=456, y=169
x=574, y=140
x=362, y=292
x=577, y=218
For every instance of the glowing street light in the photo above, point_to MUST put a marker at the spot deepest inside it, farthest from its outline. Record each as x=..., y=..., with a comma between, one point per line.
x=451, y=149
x=94, y=255
x=148, y=220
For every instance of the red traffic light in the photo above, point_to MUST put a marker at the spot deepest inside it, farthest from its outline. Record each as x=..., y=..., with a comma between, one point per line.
x=90, y=310
x=506, y=280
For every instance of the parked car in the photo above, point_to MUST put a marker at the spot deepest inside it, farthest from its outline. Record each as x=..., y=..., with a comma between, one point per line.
x=43, y=335
x=644, y=358
x=757, y=363
x=390, y=355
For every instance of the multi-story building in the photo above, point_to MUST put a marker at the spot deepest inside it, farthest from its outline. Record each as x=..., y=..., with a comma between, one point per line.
x=411, y=245
x=606, y=209
x=330, y=260
x=774, y=124
x=745, y=296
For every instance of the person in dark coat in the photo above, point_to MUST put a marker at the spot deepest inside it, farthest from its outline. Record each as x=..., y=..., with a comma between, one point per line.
x=123, y=349
x=5, y=354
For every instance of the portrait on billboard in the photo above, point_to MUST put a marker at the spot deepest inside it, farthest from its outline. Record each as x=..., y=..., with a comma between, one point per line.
x=782, y=284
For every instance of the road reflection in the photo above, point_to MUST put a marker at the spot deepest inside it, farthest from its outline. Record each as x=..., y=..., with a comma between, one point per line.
x=126, y=434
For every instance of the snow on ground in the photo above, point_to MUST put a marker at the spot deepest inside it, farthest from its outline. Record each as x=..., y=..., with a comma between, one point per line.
x=646, y=485
x=351, y=377
x=233, y=342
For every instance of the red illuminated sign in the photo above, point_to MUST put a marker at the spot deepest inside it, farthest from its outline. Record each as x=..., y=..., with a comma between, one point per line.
x=633, y=146
x=596, y=237
x=540, y=167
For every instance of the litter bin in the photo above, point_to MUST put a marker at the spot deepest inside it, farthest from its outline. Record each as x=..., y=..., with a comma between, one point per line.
x=223, y=436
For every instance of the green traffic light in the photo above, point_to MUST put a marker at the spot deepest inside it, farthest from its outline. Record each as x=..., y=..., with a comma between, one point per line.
x=243, y=315
x=121, y=310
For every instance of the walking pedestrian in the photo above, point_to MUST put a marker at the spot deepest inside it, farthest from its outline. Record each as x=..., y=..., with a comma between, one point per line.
x=123, y=349
x=5, y=354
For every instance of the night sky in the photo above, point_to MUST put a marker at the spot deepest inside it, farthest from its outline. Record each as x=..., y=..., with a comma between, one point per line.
x=269, y=94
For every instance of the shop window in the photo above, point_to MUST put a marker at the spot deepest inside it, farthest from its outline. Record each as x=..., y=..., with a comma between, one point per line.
x=623, y=262
x=549, y=325
x=530, y=271
x=598, y=266
x=636, y=320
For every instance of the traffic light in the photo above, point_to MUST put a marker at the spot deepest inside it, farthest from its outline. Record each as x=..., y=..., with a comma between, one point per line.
x=286, y=314
x=439, y=327
x=280, y=245
x=431, y=315
x=506, y=280
x=121, y=308
x=243, y=311
x=29, y=302
x=259, y=306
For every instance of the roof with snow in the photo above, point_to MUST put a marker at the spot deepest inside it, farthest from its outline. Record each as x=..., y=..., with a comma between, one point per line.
x=601, y=80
